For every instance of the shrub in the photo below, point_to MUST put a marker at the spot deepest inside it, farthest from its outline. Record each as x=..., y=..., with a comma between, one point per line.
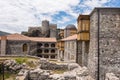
x=21, y=60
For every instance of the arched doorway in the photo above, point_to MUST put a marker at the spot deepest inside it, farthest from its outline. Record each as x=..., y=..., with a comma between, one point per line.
x=25, y=47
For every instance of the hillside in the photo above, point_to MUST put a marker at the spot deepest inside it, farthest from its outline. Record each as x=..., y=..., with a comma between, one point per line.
x=2, y=33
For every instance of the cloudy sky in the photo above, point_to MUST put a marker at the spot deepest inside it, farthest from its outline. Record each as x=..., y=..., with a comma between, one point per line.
x=18, y=15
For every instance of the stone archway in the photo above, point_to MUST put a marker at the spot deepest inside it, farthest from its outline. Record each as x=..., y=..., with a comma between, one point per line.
x=25, y=47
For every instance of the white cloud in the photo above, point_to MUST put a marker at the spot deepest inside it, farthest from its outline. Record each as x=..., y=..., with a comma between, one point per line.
x=22, y=12
x=18, y=15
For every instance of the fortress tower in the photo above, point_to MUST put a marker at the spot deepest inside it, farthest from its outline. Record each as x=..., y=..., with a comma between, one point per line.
x=53, y=30
x=45, y=28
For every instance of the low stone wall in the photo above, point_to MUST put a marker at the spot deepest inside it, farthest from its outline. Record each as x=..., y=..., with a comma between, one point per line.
x=47, y=65
x=53, y=66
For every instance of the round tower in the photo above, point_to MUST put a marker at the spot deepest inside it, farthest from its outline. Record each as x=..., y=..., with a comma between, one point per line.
x=69, y=30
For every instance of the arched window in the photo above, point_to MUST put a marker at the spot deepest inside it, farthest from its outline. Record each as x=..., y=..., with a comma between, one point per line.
x=46, y=51
x=46, y=45
x=39, y=55
x=46, y=56
x=39, y=44
x=52, y=51
x=52, y=56
x=39, y=51
x=25, y=47
x=52, y=45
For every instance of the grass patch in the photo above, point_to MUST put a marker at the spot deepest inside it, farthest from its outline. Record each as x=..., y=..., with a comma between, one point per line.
x=21, y=60
x=59, y=71
x=31, y=65
x=8, y=76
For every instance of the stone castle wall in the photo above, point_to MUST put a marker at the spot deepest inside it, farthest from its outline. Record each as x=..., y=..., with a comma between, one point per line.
x=16, y=47
x=108, y=21
x=109, y=41
x=70, y=51
x=33, y=48
x=79, y=53
x=53, y=30
x=93, y=50
x=46, y=30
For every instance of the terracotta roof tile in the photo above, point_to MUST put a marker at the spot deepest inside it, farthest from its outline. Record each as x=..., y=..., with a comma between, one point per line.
x=16, y=37
x=26, y=38
x=37, y=39
x=73, y=37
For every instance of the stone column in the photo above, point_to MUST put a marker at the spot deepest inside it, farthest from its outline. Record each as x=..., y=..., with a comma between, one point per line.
x=58, y=54
x=49, y=57
x=3, y=45
x=79, y=53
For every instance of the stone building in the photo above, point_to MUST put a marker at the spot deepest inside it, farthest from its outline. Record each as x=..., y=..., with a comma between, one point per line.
x=104, y=52
x=70, y=30
x=46, y=47
x=98, y=42
x=16, y=44
x=46, y=30
x=20, y=45
x=60, y=48
x=70, y=49
x=67, y=48
x=83, y=22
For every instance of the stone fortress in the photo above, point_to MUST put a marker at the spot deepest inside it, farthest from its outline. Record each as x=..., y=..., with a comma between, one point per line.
x=46, y=30
x=94, y=44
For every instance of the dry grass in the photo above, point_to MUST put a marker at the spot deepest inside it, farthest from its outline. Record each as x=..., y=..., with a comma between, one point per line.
x=59, y=71
x=8, y=76
x=20, y=60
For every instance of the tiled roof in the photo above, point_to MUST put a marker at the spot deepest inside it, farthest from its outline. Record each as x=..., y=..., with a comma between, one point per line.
x=73, y=37
x=16, y=37
x=37, y=39
x=25, y=38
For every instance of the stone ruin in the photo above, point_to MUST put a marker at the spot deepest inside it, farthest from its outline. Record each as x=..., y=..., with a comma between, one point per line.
x=44, y=71
x=46, y=30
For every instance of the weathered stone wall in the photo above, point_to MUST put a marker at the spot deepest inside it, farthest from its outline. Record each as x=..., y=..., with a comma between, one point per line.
x=85, y=51
x=79, y=53
x=53, y=30
x=33, y=48
x=111, y=76
x=109, y=40
x=46, y=30
x=16, y=47
x=108, y=22
x=93, y=52
x=70, y=51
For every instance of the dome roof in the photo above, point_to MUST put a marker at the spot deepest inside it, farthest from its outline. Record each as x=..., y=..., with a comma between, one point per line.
x=70, y=26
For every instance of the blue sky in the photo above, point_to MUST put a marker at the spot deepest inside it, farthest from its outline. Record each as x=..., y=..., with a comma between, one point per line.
x=18, y=15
